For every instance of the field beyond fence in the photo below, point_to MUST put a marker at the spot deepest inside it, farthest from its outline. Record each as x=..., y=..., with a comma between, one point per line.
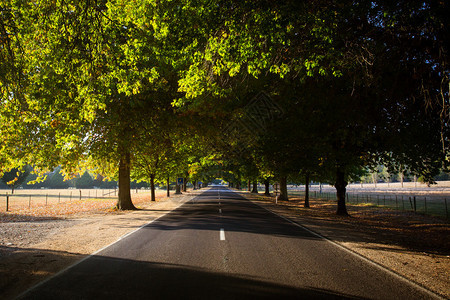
x=411, y=197
x=57, y=202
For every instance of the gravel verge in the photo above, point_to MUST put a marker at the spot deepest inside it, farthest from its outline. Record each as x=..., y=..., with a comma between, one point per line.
x=33, y=250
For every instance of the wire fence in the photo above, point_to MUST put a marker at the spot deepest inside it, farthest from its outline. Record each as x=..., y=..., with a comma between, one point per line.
x=46, y=197
x=423, y=204
x=434, y=205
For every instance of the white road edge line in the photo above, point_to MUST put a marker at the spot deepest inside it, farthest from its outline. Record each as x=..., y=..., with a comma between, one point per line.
x=222, y=234
x=373, y=263
x=93, y=254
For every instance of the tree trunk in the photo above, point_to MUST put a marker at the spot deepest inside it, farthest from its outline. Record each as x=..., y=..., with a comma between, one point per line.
x=249, y=186
x=255, y=187
x=124, y=200
x=168, y=186
x=401, y=178
x=340, y=186
x=184, y=184
x=374, y=179
x=307, y=190
x=267, y=187
x=152, y=187
x=238, y=185
x=283, y=189
x=195, y=184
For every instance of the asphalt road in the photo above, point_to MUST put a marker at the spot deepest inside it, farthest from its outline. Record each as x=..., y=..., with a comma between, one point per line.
x=221, y=246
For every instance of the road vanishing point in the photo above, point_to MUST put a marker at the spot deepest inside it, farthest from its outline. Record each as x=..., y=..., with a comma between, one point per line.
x=222, y=246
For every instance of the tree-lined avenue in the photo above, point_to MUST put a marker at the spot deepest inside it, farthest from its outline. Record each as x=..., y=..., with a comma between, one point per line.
x=222, y=246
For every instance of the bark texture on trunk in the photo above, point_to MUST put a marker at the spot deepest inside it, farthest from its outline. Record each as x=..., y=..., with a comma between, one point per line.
x=307, y=190
x=168, y=186
x=255, y=187
x=124, y=200
x=267, y=187
x=152, y=187
x=341, y=188
x=283, y=189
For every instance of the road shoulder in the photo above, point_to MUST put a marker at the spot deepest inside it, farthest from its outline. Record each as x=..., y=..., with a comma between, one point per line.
x=380, y=244
x=72, y=240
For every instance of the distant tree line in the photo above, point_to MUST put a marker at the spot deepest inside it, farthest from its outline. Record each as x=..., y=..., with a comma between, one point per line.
x=17, y=178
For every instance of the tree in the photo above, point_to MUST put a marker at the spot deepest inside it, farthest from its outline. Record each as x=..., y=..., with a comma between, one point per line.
x=85, y=181
x=55, y=180
x=98, y=72
x=340, y=58
x=15, y=177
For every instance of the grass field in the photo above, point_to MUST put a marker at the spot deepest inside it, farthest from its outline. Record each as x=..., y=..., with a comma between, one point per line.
x=60, y=202
x=412, y=197
x=431, y=205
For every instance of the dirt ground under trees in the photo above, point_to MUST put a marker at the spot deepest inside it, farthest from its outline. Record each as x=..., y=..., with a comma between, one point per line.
x=414, y=246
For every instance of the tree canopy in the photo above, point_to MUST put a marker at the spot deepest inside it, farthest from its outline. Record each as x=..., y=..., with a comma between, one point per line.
x=153, y=89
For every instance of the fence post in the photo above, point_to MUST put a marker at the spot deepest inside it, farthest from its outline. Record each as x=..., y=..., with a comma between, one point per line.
x=415, y=204
x=446, y=211
x=7, y=202
x=80, y=195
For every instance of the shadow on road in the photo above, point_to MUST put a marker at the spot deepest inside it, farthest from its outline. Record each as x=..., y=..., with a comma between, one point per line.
x=237, y=215
x=130, y=279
